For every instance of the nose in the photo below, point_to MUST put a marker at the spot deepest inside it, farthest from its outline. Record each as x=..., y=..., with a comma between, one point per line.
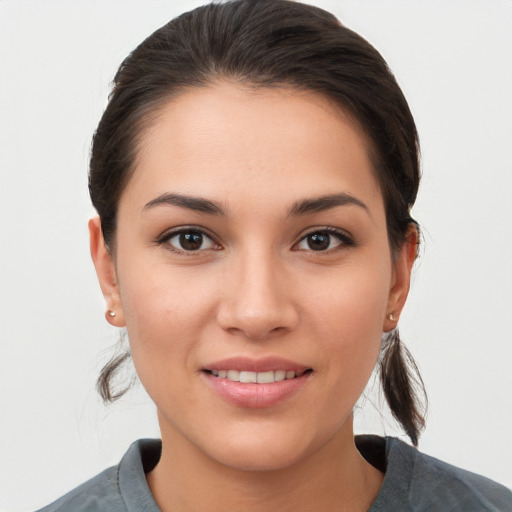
x=258, y=301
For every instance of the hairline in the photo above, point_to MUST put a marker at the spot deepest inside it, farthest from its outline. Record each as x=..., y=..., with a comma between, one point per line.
x=148, y=114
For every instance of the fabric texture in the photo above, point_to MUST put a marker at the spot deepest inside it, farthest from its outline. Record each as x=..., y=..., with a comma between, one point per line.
x=414, y=482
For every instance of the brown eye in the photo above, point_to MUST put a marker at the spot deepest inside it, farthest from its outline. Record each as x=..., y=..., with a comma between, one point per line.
x=324, y=240
x=318, y=241
x=190, y=240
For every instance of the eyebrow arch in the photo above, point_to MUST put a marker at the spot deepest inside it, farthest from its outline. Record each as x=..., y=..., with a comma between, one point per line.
x=197, y=204
x=323, y=203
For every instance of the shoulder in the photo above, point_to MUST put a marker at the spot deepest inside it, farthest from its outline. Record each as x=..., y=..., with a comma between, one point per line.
x=459, y=487
x=98, y=493
x=418, y=482
x=117, y=489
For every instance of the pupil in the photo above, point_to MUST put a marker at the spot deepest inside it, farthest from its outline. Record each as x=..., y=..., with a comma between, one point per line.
x=318, y=241
x=191, y=241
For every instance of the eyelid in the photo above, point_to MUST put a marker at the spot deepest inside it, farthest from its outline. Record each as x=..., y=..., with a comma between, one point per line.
x=172, y=232
x=345, y=238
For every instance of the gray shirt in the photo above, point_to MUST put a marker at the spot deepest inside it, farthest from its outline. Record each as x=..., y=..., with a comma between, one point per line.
x=413, y=482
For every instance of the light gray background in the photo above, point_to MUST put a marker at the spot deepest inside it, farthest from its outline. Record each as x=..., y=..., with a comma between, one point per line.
x=454, y=62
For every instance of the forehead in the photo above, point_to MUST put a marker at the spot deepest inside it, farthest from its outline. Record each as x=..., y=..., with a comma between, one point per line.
x=226, y=141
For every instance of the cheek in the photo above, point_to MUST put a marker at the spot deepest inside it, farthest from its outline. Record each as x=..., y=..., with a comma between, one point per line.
x=165, y=311
x=353, y=300
x=348, y=313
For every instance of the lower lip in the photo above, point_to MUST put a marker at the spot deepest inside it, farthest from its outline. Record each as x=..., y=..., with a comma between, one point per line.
x=256, y=396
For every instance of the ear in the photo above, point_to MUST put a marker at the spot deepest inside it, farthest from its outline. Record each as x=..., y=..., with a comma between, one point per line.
x=400, y=283
x=106, y=272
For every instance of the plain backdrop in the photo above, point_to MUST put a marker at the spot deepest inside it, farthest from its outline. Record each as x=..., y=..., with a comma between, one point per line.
x=453, y=60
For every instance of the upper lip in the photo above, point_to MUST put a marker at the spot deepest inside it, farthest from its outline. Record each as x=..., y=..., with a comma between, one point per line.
x=265, y=364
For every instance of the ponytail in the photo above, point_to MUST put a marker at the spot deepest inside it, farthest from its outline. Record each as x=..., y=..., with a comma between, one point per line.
x=403, y=386
x=111, y=373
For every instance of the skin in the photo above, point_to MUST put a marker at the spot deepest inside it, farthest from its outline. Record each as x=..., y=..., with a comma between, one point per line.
x=257, y=289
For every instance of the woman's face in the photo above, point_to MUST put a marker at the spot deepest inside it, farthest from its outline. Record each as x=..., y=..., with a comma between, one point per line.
x=252, y=238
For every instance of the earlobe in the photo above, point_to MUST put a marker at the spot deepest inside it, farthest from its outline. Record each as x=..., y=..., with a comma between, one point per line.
x=402, y=268
x=106, y=272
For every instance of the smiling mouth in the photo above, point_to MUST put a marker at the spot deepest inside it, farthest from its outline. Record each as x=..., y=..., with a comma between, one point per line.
x=257, y=377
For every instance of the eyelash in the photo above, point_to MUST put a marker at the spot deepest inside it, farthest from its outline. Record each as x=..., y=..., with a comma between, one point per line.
x=166, y=237
x=343, y=237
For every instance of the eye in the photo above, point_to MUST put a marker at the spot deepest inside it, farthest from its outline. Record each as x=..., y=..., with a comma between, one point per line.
x=189, y=240
x=324, y=240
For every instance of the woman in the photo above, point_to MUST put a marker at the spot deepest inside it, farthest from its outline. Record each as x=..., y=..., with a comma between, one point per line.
x=253, y=174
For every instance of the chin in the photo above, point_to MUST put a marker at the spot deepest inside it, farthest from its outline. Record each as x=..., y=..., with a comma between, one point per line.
x=258, y=451
x=259, y=459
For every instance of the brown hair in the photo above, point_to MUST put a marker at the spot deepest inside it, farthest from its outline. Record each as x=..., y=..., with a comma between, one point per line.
x=268, y=43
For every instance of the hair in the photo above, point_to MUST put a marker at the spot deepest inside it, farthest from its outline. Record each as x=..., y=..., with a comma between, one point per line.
x=261, y=44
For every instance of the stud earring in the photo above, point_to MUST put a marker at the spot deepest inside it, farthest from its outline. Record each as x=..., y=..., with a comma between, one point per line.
x=111, y=313
x=391, y=317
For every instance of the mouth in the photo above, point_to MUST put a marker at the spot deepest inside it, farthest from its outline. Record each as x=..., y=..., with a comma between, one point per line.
x=252, y=377
x=256, y=383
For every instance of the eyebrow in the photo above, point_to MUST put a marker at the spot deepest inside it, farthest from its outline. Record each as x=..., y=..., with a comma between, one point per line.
x=305, y=206
x=197, y=204
x=322, y=203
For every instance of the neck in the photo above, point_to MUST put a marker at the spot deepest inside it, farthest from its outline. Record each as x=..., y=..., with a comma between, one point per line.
x=333, y=478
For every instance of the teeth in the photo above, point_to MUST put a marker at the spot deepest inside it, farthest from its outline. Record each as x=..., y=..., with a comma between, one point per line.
x=247, y=376
x=279, y=375
x=254, y=377
x=265, y=377
x=233, y=375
